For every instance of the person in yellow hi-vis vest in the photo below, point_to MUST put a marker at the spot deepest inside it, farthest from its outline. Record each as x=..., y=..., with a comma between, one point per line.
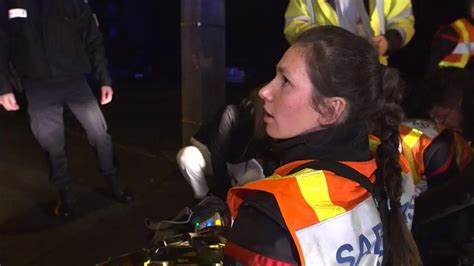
x=331, y=200
x=453, y=45
x=388, y=24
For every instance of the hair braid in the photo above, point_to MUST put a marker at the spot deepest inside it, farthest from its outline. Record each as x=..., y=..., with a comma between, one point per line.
x=344, y=65
x=387, y=157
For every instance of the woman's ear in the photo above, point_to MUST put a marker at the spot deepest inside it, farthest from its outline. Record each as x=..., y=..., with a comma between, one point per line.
x=334, y=108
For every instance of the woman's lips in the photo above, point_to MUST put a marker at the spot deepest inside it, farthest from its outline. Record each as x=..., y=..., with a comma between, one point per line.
x=267, y=116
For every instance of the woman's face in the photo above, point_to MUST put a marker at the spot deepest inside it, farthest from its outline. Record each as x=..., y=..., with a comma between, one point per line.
x=288, y=98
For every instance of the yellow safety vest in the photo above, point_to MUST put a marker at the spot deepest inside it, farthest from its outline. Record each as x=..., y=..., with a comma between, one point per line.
x=301, y=15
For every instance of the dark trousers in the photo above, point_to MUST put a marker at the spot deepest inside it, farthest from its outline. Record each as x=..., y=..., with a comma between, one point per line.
x=45, y=108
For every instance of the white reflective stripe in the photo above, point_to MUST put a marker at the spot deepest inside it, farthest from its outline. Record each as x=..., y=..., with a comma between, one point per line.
x=464, y=48
x=428, y=128
x=300, y=18
x=17, y=13
x=309, y=4
x=379, y=7
x=352, y=238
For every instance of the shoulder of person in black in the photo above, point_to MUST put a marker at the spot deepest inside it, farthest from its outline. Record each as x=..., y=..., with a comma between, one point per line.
x=439, y=160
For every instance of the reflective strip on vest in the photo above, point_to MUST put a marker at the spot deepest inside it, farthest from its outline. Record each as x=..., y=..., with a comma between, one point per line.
x=310, y=181
x=408, y=143
x=381, y=15
x=353, y=238
x=310, y=8
x=463, y=51
x=430, y=129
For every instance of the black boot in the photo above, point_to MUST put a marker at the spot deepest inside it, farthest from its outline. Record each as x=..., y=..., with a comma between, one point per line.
x=118, y=193
x=65, y=204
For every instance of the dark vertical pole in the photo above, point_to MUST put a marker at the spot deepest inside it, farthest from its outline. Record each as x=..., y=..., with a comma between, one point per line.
x=202, y=62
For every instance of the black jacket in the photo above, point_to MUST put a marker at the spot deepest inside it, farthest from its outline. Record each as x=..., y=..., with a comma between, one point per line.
x=50, y=40
x=230, y=137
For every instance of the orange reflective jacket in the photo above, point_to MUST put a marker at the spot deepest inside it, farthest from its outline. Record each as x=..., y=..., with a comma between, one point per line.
x=464, y=50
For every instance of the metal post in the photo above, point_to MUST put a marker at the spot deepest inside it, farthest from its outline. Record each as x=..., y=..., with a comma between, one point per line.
x=202, y=62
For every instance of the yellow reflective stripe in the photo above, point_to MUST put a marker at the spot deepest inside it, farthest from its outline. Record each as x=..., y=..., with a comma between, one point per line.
x=408, y=142
x=373, y=145
x=451, y=64
x=274, y=176
x=314, y=188
x=328, y=14
x=465, y=38
x=459, y=24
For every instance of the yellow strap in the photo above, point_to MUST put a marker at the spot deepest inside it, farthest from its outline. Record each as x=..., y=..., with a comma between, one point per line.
x=408, y=142
x=314, y=188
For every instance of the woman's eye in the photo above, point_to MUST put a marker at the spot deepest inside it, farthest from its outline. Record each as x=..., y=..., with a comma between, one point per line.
x=286, y=82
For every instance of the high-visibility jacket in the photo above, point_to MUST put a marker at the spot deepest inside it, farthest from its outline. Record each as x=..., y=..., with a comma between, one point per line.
x=417, y=135
x=301, y=15
x=464, y=50
x=332, y=220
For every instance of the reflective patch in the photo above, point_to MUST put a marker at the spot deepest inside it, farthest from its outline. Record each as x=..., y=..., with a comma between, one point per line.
x=352, y=238
x=17, y=13
x=426, y=127
x=96, y=20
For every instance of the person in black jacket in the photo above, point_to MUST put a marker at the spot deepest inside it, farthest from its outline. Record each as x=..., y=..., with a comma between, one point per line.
x=52, y=45
x=224, y=152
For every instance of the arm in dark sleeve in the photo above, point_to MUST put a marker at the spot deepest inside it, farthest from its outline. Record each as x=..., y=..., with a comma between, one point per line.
x=231, y=143
x=394, y=40
x=259, y=230
x=440, y=163
x=94, y=44
x=220, y=149
x=5, y=84
x=443, y=44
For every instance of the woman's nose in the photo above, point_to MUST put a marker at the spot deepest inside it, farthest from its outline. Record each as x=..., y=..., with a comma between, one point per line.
x=266, y=92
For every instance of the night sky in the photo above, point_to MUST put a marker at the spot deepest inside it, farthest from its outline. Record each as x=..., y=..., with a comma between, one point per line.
x=144, y=36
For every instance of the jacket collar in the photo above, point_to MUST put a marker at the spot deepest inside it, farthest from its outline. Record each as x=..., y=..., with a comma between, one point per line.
x=346, y=142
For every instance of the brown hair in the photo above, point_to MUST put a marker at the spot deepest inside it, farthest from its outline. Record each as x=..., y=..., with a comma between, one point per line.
x=341, y=64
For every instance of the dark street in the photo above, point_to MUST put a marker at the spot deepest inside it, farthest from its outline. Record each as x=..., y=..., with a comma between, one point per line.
x=147, y=62
x=145, y=125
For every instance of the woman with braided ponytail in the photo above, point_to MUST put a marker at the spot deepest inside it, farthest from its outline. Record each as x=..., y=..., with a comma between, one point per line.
x=331, y=201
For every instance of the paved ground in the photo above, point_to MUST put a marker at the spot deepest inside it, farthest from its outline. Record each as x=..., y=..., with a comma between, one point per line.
x=145, y=125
